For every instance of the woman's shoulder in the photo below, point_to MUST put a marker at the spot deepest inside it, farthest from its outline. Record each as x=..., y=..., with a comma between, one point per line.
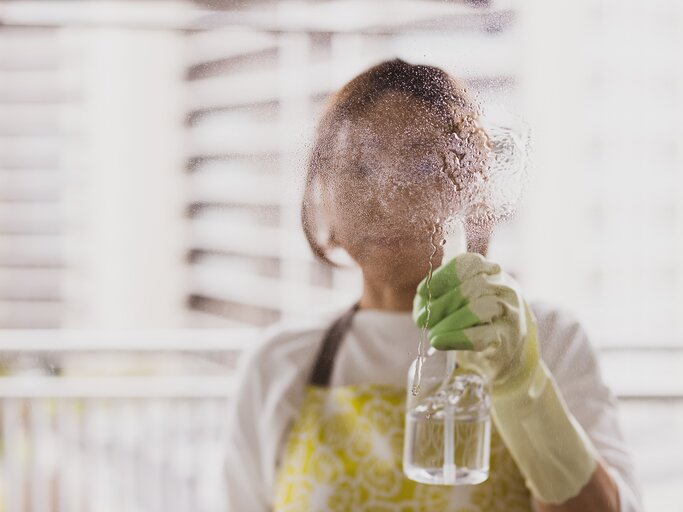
x=552, y=314
x=288, y=342
x=564, y=343
x=275, y=366
x=555, y=321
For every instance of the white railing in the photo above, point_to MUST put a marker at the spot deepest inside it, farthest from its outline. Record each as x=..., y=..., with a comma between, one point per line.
x=73, y=442
x=134, y=421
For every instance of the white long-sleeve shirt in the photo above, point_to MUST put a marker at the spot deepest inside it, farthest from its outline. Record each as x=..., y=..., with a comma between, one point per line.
x=378, y=348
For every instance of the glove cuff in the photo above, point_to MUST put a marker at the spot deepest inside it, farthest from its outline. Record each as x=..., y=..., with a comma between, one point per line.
x=550, y=448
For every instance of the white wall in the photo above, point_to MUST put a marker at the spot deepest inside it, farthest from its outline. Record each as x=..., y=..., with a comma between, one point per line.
x=127, y=237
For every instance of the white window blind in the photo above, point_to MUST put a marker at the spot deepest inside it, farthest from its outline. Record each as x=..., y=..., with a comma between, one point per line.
x=33, y=95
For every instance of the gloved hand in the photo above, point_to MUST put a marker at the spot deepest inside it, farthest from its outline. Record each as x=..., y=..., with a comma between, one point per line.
x=477, y=308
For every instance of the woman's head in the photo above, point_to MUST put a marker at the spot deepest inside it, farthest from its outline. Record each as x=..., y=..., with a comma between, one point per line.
x=395, y=152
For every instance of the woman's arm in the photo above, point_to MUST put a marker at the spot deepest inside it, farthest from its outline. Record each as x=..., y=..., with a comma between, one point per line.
x=271, y=379
x=573, y=361
x=558, y=431
x=600, y=494
x=243, y=470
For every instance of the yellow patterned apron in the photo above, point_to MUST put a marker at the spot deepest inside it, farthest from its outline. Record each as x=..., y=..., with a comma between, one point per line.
x=344, y=453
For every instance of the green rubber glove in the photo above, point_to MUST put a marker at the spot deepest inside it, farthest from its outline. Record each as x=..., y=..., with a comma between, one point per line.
x=477, y=308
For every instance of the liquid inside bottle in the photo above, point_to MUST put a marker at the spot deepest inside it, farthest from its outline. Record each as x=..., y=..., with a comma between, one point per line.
x=448, y=427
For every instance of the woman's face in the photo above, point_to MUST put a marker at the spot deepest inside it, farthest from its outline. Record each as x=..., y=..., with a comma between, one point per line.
x=387, y=207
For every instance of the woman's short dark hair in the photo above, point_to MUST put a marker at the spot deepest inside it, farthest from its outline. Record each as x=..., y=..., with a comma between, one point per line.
x=440, y=93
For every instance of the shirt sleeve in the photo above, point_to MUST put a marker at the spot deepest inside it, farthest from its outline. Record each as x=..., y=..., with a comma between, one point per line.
x=569, y=355
x=270, y=382
x=243, y=468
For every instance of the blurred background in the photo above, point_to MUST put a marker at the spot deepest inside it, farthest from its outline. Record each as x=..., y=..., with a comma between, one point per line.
x=151, y=156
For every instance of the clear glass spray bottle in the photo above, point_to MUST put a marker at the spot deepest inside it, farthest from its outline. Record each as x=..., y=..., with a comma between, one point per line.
x=448, y=427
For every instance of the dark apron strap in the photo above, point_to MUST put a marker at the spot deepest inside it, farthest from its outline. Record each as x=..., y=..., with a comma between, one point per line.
x=324, y=362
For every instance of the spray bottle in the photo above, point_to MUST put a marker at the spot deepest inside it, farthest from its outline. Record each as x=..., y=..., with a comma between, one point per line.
x=448, y=427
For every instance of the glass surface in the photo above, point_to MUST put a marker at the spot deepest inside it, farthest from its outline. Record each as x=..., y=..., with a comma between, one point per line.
x=105, y=107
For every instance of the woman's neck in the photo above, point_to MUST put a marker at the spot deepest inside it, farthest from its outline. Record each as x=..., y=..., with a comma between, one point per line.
x=378, y=294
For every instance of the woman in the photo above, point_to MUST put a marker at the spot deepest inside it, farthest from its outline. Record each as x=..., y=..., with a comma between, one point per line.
x=318, y=415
